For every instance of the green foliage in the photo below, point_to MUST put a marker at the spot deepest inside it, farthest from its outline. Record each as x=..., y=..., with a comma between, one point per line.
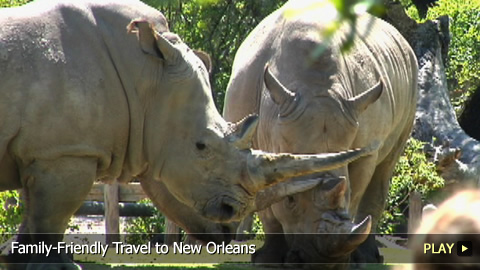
x=141, y=229
x=12, y=3
x=413, y=172
x=463, y=64
x=258, y=228
x=11, y=215
x=11, y=212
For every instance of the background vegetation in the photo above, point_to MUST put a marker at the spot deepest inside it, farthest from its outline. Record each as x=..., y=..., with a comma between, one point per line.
x=413, y=172
x=141, y=230
x=12, y=3
x=463, y=63
x=219, y=27
x=11, y=210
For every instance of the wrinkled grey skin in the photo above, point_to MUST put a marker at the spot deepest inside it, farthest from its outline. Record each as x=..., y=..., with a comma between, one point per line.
x=81, y=99
x=325, y=104
x=186, y=217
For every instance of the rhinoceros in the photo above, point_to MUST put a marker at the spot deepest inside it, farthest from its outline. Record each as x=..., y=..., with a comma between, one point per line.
x=311, y=97
x=82, y=100
x=206, y=230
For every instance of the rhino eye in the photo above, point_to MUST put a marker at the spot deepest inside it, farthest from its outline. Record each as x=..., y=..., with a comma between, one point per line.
x=290, y=202
x=200, y=146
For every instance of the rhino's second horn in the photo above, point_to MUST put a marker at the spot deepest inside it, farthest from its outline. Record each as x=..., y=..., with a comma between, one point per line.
x=266, y=169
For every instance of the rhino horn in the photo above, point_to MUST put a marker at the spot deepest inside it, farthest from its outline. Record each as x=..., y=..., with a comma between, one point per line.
x=267, y=169
x=279, y=93
x=361, y=102
x=357, y=236
x=243, y=132
x=276, y=193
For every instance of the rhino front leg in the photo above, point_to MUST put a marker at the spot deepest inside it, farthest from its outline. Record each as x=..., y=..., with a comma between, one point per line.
x=275, y=249
x=361, y=173
x=54, y=190
x=373, y=203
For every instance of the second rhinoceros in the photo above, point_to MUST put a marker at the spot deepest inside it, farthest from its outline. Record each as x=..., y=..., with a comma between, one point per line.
x=313, y=98
x=81, y=100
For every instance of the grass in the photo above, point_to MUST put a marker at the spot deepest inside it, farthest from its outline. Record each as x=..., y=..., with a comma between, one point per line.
x=222, y=266
x=95, y=266
x=202, y=266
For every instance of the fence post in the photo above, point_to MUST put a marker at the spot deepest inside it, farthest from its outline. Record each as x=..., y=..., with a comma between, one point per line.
x=414, y=212
x=112, y=213
x=172, y=232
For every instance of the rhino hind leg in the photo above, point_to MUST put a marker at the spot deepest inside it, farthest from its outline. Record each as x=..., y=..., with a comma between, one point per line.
x=53, y=191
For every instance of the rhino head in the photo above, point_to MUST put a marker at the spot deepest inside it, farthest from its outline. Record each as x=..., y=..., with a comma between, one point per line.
x=207, y=230
x=203, y=161
x=296, y=123
x=186, y=217
x=317, y=226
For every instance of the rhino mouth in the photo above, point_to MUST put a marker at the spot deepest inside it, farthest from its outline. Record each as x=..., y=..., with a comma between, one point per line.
x=336, y=238
x=220, y=233
x=307, y=252
x=298, y=257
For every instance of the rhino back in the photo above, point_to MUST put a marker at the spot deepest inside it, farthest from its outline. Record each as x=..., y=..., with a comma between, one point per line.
x=61, y=88
x=286, y=44
x=245, y=85
x=381, y=53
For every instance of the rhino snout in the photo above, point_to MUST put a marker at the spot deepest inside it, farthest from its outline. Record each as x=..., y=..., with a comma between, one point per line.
x=223, y=209
x=294, y=257
x=310, y=258
x=217, y=233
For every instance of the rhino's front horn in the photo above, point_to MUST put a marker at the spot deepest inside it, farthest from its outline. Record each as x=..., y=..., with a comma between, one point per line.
x=358, y=235
x=266, y=169
x=276, y=193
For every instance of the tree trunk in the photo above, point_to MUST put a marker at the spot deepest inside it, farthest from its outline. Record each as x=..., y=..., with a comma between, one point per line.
x=456, y=154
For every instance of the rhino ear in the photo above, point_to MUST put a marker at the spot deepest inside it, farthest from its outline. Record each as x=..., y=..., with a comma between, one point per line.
x=361, y=102
x=153, y=43
x=335, y=193
x=244, y=131
x=279, y=93
x=207, y=61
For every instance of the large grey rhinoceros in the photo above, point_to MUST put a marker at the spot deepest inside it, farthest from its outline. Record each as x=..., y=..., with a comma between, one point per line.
x=312, y=98
x=82, y=100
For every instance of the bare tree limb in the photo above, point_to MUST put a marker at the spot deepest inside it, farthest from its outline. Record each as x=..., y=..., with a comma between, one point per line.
x=457, y=154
